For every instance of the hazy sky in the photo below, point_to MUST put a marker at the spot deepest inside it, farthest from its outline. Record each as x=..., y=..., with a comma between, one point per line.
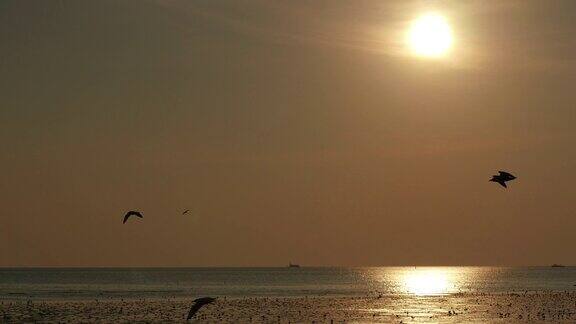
x=299, y=131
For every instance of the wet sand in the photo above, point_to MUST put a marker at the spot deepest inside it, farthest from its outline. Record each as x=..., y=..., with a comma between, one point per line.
x=505, y=308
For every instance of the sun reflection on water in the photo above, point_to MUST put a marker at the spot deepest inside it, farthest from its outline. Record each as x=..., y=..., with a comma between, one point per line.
x=427, y=282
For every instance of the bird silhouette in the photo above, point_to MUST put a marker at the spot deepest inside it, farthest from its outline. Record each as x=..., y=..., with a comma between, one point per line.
x=130, y=213
x=502, y=178
x=198, y=303
x=185, y=212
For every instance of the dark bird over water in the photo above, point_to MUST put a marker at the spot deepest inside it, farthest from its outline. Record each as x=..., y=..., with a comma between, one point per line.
x=198, y=303
x=185, y=212
x=130, y=213
x=502, y=178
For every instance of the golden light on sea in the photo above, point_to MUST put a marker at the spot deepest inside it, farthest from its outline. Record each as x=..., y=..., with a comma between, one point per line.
x=427, y=282
x=430, y=35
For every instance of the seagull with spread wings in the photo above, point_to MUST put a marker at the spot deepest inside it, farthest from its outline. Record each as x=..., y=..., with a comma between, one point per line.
x=198, y=303
x=502, y=178
x=132, y=213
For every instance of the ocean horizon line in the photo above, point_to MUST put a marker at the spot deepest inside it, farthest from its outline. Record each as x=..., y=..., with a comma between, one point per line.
x=278, y=267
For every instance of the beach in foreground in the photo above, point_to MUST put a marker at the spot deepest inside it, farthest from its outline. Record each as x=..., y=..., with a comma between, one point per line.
x=464, y=307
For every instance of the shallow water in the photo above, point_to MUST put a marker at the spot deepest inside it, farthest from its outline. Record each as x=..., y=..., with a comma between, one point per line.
x=75, y=283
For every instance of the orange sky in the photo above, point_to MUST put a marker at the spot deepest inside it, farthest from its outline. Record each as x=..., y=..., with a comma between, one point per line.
x=292, y=130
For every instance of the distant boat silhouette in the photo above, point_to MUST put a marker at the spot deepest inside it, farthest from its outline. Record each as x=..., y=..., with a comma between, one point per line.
x=198, y=303
x=292, y=265
x=555, y=265
x=502, y=178
x=132, y=213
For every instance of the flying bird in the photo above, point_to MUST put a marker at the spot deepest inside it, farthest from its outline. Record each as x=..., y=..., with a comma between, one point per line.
x=185, y=212
x=198, y=303
x=502, y=178
x=130, y=213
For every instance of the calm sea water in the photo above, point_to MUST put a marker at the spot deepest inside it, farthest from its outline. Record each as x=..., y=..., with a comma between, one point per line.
x=42, y=283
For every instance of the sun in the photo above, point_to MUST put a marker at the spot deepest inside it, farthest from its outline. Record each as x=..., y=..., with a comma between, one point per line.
x=430, y=36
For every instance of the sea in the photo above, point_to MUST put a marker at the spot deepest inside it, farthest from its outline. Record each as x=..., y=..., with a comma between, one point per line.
x=90, y=283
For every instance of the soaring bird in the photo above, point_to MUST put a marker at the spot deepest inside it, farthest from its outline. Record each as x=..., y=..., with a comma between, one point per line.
x=130, y=213
x=198, y=303
x=185, y=212
x=502, y=178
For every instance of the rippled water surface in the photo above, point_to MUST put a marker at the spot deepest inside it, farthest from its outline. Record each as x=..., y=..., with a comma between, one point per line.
x=241, y=282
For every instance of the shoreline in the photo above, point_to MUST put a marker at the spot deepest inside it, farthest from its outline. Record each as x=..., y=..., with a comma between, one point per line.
x=463, y=307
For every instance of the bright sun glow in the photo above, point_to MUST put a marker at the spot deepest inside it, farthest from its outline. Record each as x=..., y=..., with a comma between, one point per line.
x=430, y=36
x=427, y=283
